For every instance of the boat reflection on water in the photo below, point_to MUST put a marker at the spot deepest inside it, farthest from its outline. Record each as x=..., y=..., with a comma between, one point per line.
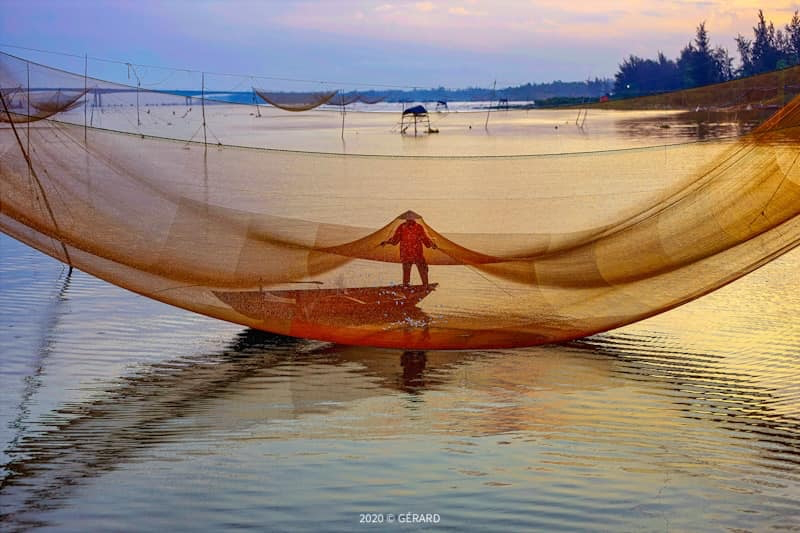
x=255, y=385
x=274, y=376
x=262, y=385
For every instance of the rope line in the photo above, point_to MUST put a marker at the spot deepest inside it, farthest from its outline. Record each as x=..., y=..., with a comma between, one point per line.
x=226, y=74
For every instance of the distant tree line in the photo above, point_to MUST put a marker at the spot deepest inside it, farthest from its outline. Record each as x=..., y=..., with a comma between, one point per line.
x=520, y=93
x=556, y=93
x=699, y=63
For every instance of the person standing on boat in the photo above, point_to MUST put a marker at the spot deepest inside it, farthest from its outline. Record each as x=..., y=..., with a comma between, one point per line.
x=411, y=237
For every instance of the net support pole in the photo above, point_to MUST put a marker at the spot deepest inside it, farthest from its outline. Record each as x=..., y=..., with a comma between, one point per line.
x=343, y=112
x=138, y=86
x=255, y=101
x=203, y=107
x=486, y=124
x=28, y=142
x=85, y=93
x=131, y=67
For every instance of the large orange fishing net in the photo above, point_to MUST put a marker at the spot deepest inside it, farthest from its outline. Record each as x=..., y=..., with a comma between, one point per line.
x=143, y=189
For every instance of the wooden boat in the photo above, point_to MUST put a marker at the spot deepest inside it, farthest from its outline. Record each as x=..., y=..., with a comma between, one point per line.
x=350, y=305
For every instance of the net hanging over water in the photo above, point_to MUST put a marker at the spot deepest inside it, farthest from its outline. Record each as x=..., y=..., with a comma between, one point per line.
x=292, y=101
x=517, y=249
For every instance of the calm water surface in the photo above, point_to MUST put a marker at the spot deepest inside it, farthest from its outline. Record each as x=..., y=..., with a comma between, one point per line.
x=120, y=413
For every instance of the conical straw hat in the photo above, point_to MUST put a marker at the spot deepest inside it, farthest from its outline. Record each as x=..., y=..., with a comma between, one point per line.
x=410, y=215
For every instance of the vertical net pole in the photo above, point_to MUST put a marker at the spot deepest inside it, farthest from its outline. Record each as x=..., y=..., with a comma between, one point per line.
x=486, y=124
x=138, y=86
x=343, y=112
x=85, y=92
x=255, y=98
x=28, y=71
x=203, y=107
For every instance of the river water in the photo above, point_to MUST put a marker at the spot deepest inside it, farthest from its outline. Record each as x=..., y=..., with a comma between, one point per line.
x=120, y=413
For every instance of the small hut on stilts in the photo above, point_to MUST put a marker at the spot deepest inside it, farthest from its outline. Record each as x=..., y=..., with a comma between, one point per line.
x=415, y=115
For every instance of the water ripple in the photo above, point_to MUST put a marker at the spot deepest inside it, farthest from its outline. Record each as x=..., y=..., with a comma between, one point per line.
x=117, y=411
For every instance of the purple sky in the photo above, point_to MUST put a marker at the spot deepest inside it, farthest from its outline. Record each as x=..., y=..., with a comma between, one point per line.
x=450, y=43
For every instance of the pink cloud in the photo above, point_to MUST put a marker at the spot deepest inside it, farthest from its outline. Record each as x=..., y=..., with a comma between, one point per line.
x=464, y=12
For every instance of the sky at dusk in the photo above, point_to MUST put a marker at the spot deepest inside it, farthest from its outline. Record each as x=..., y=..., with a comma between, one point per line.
x=452, y=43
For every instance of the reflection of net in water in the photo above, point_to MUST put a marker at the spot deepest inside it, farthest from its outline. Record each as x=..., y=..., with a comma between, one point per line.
x=530, y=249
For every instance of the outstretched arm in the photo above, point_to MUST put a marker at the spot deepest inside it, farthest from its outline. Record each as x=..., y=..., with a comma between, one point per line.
x=427, y=241
x=394, y=240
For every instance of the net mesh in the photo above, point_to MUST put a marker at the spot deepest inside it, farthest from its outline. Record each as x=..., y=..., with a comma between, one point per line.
x=293, y=101
x=520, y=250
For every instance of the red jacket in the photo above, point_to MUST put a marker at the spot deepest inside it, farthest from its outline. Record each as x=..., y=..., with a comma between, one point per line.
x=411, y=237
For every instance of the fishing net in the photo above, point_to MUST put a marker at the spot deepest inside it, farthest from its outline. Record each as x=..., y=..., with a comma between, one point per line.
x=30, y=96
x=292, y=101
x=151, y=191
x=342, y=99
